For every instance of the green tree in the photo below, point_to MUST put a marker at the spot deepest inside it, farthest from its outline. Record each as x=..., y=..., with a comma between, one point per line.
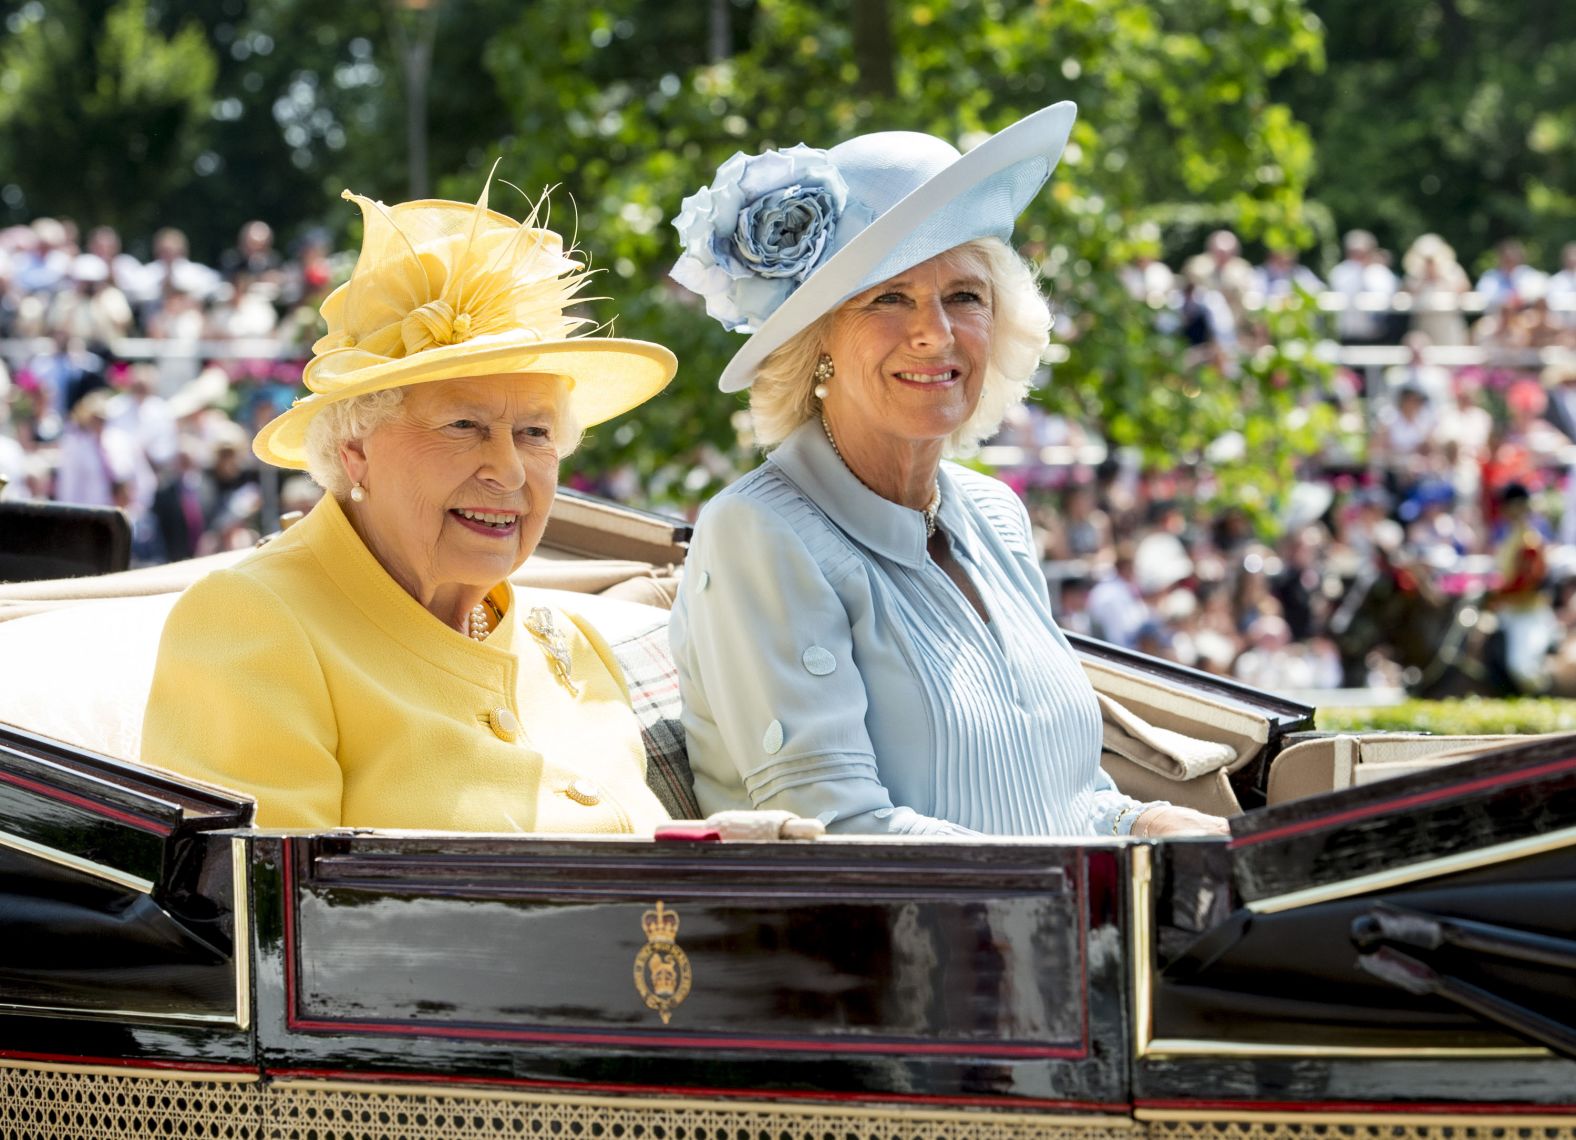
x=1175, y=109
x=1452, y=116
x=309, y=100
x=629, y=105
x=290, y=76
x=101, y=113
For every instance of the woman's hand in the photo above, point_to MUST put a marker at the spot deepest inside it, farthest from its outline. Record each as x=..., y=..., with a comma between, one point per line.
x=1169, y=819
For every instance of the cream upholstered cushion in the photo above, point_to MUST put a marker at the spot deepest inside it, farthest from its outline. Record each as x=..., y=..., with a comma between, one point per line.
x=1164, y=751
x=1149, y=762
x=629, y=580
x=1190, y=712
x=1211, y=792
x=81, y=673
x=1327, y=763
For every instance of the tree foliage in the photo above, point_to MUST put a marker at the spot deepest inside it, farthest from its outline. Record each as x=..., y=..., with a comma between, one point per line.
x=1422, y=114
x=310, y=99
x=281, y=104
x=101, y=112
x=1447, y=115
x=1175, y=108
x=291, y=78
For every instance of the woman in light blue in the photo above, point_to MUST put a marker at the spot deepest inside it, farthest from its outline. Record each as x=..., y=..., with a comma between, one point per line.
x=864, y=632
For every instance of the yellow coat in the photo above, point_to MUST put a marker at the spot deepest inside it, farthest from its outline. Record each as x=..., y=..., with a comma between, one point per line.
x=307, y=678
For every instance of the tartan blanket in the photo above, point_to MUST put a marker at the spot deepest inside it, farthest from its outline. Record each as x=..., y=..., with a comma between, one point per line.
x=653, y=682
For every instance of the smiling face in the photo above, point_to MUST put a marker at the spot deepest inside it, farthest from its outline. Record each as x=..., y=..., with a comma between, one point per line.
x=910, y=354
x=459, y=484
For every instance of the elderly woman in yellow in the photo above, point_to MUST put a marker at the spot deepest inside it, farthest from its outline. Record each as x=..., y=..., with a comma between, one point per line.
x=373, y=666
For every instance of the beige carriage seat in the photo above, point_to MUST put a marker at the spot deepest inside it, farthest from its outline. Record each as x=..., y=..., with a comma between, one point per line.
x=76, y=664
x=1328, y=763
x=625, y=579
x=77, y=654
x=80, y=671
x=1166, y=743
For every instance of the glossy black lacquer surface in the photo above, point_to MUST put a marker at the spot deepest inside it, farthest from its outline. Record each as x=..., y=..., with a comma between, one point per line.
x=122, y=816
x=92, y=971
x=996, y=975
x=118, y=897
x=40, y=540
x=1488, y=801
x=99, y=948
x=939, y=971
x=1259, y=986
x=1294, y=976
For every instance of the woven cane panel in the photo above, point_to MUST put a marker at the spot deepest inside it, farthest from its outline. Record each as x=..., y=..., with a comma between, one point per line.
x=313, y=1114
x=1343, y=1128
x=41, y=1105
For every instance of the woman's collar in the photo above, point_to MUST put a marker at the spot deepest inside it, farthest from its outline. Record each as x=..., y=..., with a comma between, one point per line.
x=358, y=574
x=953, y=518
x=888, y=529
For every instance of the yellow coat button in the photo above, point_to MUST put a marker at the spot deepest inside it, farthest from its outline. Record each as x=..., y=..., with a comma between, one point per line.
x=584, y=792
x=505, y=725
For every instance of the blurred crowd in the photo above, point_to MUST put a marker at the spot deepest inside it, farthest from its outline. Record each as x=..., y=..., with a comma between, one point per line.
x=1447, y=533
x=181, y=467
x=1215, y=301
x=54, y=283
x=1451, y=543
x=165, y=436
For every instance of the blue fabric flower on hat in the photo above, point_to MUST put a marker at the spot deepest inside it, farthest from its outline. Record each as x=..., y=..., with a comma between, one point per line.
x=753, y=236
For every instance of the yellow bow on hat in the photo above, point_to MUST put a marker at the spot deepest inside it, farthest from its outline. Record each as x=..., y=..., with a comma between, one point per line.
x=444, y=290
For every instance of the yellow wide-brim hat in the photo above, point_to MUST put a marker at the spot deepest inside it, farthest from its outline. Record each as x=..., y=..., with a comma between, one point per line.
x=446, y=290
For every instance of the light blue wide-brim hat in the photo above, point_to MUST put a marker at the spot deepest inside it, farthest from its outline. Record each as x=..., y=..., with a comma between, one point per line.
x=890, y=200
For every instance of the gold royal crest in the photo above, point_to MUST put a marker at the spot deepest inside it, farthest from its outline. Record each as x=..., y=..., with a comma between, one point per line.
x=662, y=969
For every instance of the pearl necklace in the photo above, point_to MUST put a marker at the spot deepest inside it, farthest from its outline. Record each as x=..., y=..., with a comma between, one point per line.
x=478, y=623
x=539, y=624
x=931, y=509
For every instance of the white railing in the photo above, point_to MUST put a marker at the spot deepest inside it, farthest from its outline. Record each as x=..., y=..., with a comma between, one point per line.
x=179, y=359
x=1470, y=303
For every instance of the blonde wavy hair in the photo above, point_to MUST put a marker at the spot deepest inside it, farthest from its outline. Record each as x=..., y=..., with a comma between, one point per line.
x=782, y=394
x=359, y=416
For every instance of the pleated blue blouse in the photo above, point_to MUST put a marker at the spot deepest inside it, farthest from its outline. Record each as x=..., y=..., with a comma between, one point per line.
x=830, y=668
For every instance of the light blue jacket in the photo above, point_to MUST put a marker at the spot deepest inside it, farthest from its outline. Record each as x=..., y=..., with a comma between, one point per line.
x=829, y=667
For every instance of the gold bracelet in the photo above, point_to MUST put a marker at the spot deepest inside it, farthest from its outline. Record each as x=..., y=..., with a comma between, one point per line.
x=1116, y=824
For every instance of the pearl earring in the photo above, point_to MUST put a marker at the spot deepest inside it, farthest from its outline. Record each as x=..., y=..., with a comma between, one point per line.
x=823, y=372
x=358, y=493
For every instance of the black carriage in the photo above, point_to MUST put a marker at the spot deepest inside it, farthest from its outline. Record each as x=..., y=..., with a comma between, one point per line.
x=1385, y=944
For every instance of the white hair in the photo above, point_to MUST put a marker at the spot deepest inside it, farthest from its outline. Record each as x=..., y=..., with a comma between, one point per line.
x=339, y=423
x=359, y=416
x=782, y=393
